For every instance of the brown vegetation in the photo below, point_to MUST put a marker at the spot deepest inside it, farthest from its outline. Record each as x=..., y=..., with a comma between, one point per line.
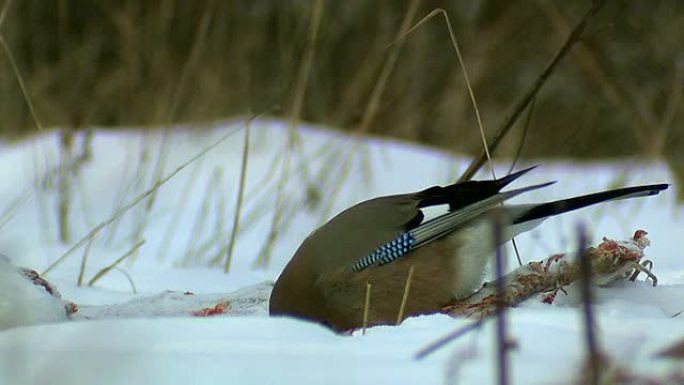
x=131, y=63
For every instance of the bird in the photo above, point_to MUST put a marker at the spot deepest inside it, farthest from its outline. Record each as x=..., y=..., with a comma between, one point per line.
x=374, y=244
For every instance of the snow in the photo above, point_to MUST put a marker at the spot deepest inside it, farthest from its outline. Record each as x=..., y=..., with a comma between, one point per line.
x=151, y=336
x=23, y=302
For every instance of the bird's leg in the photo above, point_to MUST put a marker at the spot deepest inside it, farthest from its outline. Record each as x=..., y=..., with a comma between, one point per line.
x=550, y=295
x=645, y=267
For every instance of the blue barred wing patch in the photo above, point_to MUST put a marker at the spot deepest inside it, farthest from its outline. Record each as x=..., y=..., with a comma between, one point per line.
x=386, y=253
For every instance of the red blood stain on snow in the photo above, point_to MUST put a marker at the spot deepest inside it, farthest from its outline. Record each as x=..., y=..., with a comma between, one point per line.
x=71, y=308
x=209, y=311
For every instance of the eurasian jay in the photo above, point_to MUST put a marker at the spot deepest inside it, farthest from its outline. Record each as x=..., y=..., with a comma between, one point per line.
x=376, y=242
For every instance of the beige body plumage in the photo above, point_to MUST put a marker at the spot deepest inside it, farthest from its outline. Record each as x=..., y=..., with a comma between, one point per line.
x=376, y=242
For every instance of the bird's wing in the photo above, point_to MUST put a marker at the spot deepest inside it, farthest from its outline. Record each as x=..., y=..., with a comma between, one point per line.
x=462, y=194
x=431, y=230
x=358, y=230
x=361, y=229
x=443, y=224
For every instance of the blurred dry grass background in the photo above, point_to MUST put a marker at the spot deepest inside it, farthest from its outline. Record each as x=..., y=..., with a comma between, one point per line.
x=146, y=63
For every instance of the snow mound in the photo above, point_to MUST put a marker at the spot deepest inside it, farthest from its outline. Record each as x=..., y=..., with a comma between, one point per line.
x=251, y=300
x=28, y=299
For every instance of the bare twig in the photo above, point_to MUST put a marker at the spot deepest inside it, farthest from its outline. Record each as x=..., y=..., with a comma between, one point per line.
x=593, y=357
x=502, y=343
x=436, y=345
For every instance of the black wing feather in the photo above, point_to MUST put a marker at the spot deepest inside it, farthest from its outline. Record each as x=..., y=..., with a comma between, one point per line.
x=459, y=195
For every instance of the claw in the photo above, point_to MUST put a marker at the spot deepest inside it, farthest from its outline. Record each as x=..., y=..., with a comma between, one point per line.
x=645, y=267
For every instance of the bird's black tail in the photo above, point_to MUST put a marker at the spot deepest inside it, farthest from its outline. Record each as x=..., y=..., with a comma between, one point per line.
x=564, y=205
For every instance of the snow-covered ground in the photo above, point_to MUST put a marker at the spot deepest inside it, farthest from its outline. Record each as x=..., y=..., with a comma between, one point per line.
x=152, y=336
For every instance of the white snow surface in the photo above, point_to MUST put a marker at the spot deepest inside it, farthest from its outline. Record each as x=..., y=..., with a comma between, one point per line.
x=25, y=303
x=151, y=336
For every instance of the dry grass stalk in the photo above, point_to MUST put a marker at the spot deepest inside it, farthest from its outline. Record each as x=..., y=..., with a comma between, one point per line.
x=192, y=59
x=162, y=154
x=128, y=277
x=238, y=203
x=64, y=184
x=337, y=186
x=24, y=91
x=201, y=218
x=84, y=202
x=371, y=107
x=264, y=257
x=43, y=215
x=466, y=78
x=107, y=269
x=11, y=210
x=84, y=261
x=20, y=80
x=220, y=212
x=366, y=306
x=5, y=8
x=135, y=201
x=137, y=184
x=644, y=127
x=122, y=191
x=526, y=126
x=379, y=88
x=179, y=209
x=404, y=298
x=196, y=50
x=574, y=36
